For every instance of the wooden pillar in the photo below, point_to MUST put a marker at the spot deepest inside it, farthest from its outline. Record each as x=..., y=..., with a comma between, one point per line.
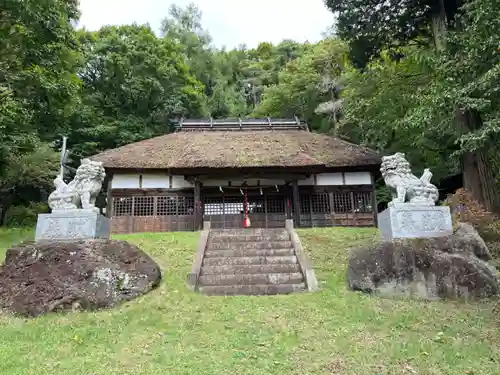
x=353, y=204
x=132, y=226
x=296, y=203
x=265, y=209
x=198, y=211
x=331, y=202
x=374, y=202
x=109, y=197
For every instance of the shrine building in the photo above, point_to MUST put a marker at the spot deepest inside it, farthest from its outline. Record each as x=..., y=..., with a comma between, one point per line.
x=224, y=171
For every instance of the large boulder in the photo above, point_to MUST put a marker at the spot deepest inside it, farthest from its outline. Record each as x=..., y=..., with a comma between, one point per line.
x=431, y=268
x=86, y=275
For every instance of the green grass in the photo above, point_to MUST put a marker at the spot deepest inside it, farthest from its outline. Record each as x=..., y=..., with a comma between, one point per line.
x=334, y=331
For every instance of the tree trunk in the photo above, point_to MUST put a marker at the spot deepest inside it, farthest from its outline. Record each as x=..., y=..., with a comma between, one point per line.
x=477, y=168
x=439, y=25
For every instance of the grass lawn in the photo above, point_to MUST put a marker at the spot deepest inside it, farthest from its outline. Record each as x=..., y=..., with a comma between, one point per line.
x=334, y=331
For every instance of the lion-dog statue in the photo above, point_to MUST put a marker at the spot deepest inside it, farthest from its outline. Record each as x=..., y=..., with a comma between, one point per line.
x=404, y=186
x=82, y=191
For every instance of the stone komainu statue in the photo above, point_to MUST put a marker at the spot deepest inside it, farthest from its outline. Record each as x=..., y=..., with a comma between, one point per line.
x=404, y=186
x=82, y=191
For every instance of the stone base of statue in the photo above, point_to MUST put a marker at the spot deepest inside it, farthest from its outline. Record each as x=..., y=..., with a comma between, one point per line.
x=71, y=225
x=405, y=220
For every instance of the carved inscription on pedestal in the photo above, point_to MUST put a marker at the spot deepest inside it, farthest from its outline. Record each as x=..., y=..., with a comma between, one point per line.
x=433, y=221
x=422, y=221
x=57, y=228
x=406, y=219
x=53, y=229
x=71, y=226
x=77, y=228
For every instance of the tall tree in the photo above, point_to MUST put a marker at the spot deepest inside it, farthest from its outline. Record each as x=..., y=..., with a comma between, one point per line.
x=38, y=61
x=214, y=69
x=38, y=89
x=134, y=85
x=376, y=103
x=183, y=27
x=464, y=96
x=299, y=87
x=373, y=26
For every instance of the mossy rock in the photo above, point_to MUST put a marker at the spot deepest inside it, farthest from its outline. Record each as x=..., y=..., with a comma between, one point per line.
x=429, y=268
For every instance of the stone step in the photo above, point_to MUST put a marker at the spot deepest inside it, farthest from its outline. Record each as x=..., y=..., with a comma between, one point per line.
x=252, y=279
x=249, y=253
x=266, y=289
x=250, y=238
x=247, y=232
x=237, y=245
x=232, y=269
x=249, y=260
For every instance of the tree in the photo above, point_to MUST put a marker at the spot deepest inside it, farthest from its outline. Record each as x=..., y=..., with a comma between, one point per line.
x=299, y=88
x=27, y=176
x=134, y=85
x=38, y=92
x=376, y=103
x=439, y=106
x=38, y=62
x=464, y=96
x=183, y=27
x=218, y=71
x=262, y=67
x=373, y=26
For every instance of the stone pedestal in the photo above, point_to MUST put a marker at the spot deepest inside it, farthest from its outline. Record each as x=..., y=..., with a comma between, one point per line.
x=71, y=225
x=415, y=221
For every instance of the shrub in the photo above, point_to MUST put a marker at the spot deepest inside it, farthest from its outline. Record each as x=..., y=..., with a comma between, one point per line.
x=24, y=216
x=465, y=208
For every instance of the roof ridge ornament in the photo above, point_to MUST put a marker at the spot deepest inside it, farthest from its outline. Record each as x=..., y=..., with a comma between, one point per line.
x=238, y=123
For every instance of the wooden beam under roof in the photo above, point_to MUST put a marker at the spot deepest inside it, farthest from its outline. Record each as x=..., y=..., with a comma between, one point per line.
x=257, y=176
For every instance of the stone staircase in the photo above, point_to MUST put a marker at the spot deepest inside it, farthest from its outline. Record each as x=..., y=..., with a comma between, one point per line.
x=250, y=262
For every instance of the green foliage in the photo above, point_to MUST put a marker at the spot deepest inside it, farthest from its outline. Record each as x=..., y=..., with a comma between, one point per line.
x=38, y=82
x=369, y=119
x=235, y=80
x=37, y=66
x=382, y=193
x=299, y=88
x=439, y=104
x=371, y=26
x=226, y=101
x=465, y=80
x=27, y=175
x=183, y=27
x=133, y=85
x=425, y=88
x=121, y=84
x=35, y=167
x=24, y=216
x=39, y=92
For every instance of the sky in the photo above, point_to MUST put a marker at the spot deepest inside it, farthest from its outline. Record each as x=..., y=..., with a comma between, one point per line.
x=230, y=22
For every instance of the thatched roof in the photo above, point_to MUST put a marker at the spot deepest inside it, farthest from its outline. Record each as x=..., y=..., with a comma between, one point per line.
x=238, y=149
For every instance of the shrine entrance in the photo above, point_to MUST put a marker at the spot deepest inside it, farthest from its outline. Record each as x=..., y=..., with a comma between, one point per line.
x=266, y=207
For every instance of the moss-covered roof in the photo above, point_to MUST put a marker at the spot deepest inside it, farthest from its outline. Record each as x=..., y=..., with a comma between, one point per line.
x=238, y=149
